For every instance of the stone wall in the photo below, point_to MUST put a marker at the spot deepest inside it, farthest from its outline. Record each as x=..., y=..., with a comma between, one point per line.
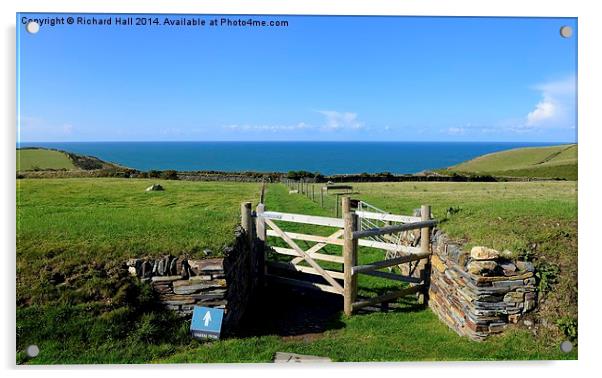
x=481, y=292
x=228, y=282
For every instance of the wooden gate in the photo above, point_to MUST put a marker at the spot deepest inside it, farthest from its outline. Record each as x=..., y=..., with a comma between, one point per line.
x=347, y=234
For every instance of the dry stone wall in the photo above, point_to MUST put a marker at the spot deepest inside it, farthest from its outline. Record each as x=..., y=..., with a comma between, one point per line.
x=228, y=282
x=480, y=292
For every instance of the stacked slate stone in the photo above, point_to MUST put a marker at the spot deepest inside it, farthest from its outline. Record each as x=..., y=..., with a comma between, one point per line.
x=481, y=292
x=181, y=283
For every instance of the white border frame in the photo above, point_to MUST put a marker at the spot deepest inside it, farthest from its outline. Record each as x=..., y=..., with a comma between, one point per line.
x=590, y=64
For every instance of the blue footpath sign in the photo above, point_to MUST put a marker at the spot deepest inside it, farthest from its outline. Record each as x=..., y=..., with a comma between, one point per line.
x=206, y=322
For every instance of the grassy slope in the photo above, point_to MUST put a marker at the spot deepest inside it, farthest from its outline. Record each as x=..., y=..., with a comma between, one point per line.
x=65, y=222
x=128, y=221
x=30, y=159
x=554, y=162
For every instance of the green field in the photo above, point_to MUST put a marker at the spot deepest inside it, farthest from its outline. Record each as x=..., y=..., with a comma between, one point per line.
x=40, y=159
x=69, y=228
x=546, y=162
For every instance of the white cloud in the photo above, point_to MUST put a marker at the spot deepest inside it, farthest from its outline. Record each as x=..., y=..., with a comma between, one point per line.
x=341, y=120
x=333, y=121
x=456, y=130
x=272, y=128
x=557, y=107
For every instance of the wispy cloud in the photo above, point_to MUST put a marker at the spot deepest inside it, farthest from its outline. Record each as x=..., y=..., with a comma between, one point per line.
x=333, y=121
x=456, y=130
x=341, y=120
x=269, y=128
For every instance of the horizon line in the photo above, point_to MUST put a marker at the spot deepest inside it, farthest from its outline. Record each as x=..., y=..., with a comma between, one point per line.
x=297, y=141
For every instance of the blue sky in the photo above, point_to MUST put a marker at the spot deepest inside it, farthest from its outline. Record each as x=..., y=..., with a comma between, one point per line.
x=320, y=78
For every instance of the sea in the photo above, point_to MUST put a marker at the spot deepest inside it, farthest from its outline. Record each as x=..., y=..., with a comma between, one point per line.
x=327, y=158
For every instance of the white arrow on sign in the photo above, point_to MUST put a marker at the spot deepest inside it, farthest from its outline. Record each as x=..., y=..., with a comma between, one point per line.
x=207, y=318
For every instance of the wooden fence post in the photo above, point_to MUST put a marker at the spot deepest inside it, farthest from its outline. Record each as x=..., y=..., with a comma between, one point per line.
x=246, y=220
x=425, y=232
x=350, y=247
x=261, y=235
x=425, y=247
x=321, y=197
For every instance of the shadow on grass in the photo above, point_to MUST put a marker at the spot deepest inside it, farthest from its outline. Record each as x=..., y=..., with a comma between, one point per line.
x=288, y=311
x=405, y=304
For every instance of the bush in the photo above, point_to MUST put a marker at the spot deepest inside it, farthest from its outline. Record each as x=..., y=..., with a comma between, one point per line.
x=568, y=326
x=297, y=175
x=169, y=174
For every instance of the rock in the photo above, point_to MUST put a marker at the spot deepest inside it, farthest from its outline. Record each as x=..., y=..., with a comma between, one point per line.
x=527, y=323
x=201, y=266
x=506, y=254
x=514, y=297
x=484, y=253
x=530, y=281
x=154, y=188
x=161, y=267
x=513, y=318
x=134, y=262
x=508, y=268
x=530, y=301
x=454, y=251
x=132, y=271
x=171, y=299
x=497, y=327
x=147, y=269
x=172, y=267
x=165, y=278
x=478, y=267
x=185, y=270
x=525, y=266
x=202, y=277
x=437, y=263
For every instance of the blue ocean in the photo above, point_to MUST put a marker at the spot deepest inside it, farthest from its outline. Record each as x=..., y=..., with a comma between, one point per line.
x=325, y=157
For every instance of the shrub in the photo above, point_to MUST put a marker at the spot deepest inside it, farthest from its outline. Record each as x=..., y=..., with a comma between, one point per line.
x=547, y=275
x=568, y=326
x=169, y=174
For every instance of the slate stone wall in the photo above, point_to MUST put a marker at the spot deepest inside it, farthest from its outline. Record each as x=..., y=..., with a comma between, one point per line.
x=480, y=292
x=228, y=282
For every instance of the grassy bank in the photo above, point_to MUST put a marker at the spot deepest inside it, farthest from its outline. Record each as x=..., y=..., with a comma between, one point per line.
x=544, y=162
x=39, y=159
x=84, y=317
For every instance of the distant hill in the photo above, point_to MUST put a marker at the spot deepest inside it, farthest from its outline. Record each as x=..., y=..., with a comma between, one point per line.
x=538, y=162
x=43, y=159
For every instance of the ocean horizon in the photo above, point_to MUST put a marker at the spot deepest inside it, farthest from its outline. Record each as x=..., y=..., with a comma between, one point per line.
x=325, y=157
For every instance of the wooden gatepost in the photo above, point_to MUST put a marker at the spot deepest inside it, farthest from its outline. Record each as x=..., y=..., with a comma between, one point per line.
x=350, y=238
